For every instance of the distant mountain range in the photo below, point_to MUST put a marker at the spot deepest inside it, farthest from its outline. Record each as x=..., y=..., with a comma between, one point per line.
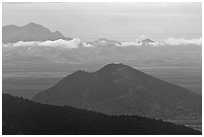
x=36, y=32
x=29, y=32
x=120, y=89
x=20, y=116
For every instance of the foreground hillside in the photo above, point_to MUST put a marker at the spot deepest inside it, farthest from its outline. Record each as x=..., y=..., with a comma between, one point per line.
x=22, y=116
x=121, y=89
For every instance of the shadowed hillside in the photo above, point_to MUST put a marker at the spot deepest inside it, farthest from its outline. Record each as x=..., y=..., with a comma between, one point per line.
x=120, y=89
x=22, y=116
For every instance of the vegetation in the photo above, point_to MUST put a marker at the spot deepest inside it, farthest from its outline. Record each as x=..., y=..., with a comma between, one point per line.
x=21, y=116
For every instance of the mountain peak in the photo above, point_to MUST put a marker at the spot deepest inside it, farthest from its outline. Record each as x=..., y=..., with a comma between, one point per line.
x=79, y=72
x=120, y=89
x=30, y=32
x=113, y=67
x=147, y=40
x=32, y=24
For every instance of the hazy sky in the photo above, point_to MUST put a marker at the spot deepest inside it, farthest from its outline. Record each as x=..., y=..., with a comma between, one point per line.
x=119, y=21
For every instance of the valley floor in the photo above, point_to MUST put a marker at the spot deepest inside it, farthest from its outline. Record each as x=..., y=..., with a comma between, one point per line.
x=192, y=122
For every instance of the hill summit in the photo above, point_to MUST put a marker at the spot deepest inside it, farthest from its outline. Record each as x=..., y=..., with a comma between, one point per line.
x=121, y=89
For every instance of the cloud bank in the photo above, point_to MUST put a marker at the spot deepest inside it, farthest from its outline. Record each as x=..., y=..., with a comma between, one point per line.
x=76, y=43
x=130, y=43
x=182, y=41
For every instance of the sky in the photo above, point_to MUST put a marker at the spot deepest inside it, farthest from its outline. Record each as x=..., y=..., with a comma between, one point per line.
x=118, y=21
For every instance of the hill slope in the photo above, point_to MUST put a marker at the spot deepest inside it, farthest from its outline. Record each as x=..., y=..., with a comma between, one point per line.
x=120, y=89
x=22, y=116
x=29, y=32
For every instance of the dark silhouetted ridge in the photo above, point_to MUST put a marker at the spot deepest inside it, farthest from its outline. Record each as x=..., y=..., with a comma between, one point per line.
x=22, y=116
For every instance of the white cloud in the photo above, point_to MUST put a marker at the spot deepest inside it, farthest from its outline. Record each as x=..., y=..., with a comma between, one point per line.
x=182, y=41
x=168, y=41
x=87, y=45
x=74, y=43
x=21, y=44
x=130, y=43
x=136, y=42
